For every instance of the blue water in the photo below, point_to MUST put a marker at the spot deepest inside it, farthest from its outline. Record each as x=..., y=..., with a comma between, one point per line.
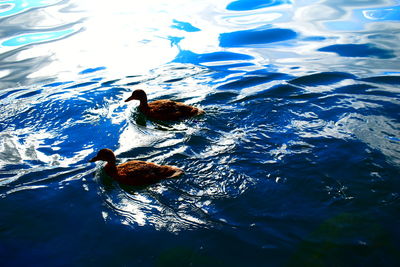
x=296, y=162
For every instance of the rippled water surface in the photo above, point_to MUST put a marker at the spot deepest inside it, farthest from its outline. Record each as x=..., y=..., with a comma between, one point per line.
x=295, y=163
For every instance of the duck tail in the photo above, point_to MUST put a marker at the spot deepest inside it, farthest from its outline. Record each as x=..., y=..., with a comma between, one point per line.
x=176, y=172
x=200, y=111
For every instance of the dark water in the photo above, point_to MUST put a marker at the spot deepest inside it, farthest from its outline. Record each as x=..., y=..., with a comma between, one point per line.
x=296, y=162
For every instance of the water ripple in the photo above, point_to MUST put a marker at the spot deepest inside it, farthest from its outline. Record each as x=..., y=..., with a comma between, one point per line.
x=38, y=37
x=242, y=5
x=321, y=78
x=11, y=8
x=255, y=37
x=301, y=130
x=358, y=50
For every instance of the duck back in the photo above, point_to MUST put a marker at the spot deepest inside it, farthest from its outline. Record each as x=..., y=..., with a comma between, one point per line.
x=142, y=173
x=170, y=110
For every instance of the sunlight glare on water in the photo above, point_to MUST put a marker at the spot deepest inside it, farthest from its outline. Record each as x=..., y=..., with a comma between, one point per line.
x=127, y=37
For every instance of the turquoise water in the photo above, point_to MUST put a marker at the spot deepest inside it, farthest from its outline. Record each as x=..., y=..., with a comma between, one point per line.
x=295, y=163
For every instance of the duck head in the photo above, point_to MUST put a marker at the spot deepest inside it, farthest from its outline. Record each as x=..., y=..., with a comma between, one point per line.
x=105, y=155
x=138, y=94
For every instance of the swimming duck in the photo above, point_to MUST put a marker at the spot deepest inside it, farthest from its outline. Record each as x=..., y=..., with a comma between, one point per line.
x=135, y=172
x=166, y=110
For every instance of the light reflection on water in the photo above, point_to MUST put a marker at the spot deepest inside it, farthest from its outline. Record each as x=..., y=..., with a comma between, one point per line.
x=302, y=121
x=151, y=34
x=11, y=8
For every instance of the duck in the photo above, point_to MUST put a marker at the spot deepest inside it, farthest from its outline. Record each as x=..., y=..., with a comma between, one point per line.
x=135, y=172
x=165, y=109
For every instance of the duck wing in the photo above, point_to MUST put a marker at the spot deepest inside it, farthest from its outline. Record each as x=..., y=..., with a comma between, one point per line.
x=170, y=110
x=143, y=173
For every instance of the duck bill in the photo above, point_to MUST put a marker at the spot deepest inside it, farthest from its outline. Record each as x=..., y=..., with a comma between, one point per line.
x=94, y=159
x=129, y=99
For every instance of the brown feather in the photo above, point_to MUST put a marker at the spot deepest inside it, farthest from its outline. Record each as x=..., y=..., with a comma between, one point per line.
x=136, y=172
x=142, y=172
x=166, y=110
x=170, y=110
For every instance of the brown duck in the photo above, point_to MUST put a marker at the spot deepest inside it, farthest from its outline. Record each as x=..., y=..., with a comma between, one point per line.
x=135, y=172
x=166, y=110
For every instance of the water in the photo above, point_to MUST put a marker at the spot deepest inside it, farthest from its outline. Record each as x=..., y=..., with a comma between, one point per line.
x=295, y=163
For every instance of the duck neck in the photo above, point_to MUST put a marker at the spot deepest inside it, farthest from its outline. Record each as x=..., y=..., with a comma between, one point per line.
x=111, y=168
x=143, y=104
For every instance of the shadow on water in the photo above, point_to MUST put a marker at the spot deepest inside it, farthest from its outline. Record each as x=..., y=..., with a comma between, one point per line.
x=333, y=241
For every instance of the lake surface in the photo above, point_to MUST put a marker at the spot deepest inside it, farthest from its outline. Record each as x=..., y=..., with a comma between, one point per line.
x=295, y=163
